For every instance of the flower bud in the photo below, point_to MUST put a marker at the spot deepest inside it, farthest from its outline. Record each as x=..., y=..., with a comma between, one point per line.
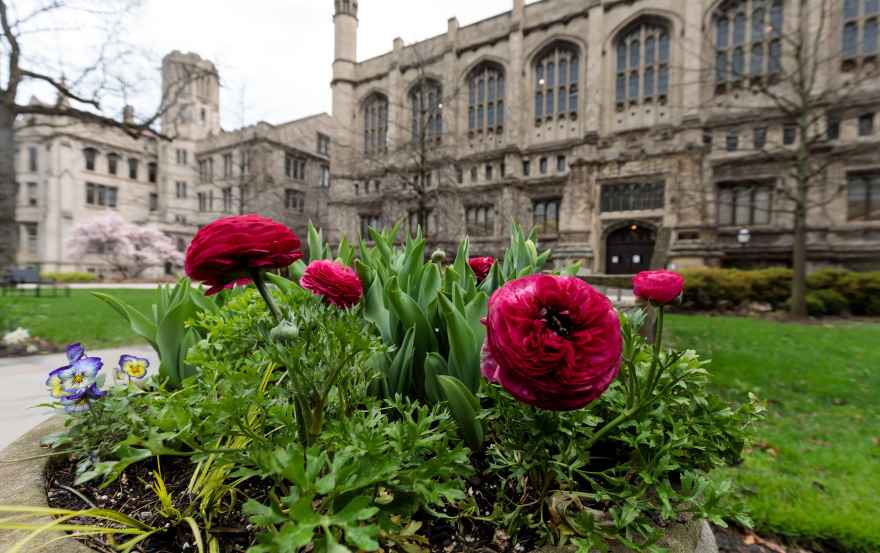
x=284, y=332
x=438, y=257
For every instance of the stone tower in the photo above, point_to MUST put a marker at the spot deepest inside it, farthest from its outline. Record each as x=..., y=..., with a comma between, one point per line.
x=191, y=86
x=345, y=58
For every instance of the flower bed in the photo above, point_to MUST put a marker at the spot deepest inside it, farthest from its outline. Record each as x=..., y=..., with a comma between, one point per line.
x=371, y=399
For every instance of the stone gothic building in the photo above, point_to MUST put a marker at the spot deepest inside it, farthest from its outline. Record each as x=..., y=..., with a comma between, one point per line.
x=69, y=172
x=631, y=133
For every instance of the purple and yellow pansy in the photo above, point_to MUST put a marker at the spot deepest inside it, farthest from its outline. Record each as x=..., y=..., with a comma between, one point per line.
x=132, y=367
x=75, y=385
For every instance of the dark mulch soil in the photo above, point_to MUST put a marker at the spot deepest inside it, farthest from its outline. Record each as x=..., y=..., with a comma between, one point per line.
x=131, y=494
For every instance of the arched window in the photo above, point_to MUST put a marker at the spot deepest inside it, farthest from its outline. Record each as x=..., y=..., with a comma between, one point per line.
x=90, y=154
x=643, y=64
x=112, y=163
x=860, y=26
x=557, y=72
x=426, y=107
x=375, y=123
x=748, y=40
x=486, y=90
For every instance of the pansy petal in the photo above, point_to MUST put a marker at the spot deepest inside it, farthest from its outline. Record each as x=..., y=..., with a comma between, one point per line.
x=75, y=352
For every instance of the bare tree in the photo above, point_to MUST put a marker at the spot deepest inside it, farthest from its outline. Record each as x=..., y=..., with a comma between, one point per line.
x=418, y=161
x=803, y=80
x=80, y=97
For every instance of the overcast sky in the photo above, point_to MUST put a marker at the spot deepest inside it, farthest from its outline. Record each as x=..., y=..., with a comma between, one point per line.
x=280, y=51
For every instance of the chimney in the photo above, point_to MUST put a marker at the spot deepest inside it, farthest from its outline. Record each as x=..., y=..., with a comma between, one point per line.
x=128, y=114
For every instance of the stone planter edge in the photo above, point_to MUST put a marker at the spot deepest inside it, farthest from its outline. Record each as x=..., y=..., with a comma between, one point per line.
x=24, y=484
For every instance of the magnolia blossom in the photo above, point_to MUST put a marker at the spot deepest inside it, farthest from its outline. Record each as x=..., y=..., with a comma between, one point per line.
x=127, y=247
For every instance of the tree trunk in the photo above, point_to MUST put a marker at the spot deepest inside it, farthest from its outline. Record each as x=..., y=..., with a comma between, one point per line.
x=799, y=256
x=8, y=190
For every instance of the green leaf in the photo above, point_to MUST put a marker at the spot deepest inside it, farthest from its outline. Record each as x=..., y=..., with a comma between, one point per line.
x=464, y=407
x=139, y=323
x=203, y=302
x=435, y=366
x=413, y=259
x=411, y=315
x=464, y=351
x=190, y=339
x=430, y=285
x=285, y=285
x=364, y=537
x=292, y=536
x=316, y=244
x=262, y=515
x=376, y=312
x=170, y=336
x=400, y=375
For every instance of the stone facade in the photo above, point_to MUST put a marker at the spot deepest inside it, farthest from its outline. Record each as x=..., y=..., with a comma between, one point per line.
x=616, y=173
x=65, y=172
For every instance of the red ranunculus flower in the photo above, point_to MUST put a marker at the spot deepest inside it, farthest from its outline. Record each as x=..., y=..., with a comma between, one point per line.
x=481, y=266
x=659, y=287
x=338, y=284
x=553, y=342
x=228, y=250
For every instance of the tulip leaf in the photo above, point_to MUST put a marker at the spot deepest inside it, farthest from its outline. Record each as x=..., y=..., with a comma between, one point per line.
x=203, y=302
x=376, y=312
x=190, y=339
x=474, y=312
x=400, y=374
x=411, y=314
x=285, y=285
x=381, y=244
x=170, y=337
x=464, y=407
x=139, y=323
x=434, y=366
x=430, y=285
x=464, y=351
x=414, y=258
x=461, y=261
x=316, y=244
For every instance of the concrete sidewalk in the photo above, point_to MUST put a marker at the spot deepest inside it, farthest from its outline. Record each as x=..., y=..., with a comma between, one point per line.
x=22, y=386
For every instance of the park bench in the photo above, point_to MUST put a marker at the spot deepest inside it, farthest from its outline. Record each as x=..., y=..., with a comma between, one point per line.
x=31, y=280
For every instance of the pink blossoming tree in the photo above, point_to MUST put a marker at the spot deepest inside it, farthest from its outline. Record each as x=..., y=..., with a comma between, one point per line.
x=128, y=248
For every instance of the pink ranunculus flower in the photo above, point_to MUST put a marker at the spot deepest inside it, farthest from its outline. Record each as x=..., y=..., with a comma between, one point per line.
x=660, y=287
x=481, y=266
x=551, y=341
x=337, y=283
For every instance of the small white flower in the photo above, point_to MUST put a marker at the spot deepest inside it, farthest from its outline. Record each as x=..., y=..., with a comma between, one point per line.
x=16, y=337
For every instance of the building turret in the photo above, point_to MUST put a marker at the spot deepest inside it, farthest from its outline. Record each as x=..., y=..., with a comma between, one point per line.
x=191, y=89
x=345, y=22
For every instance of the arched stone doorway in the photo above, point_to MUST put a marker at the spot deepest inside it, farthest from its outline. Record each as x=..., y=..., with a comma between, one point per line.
x=629, y=249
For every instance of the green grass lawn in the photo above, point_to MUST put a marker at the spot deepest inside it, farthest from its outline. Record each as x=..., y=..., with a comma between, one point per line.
x=815, y=471
x=79, y=318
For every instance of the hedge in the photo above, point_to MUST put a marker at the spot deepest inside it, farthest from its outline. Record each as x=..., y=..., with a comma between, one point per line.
x=69, y=277
x=830, y=291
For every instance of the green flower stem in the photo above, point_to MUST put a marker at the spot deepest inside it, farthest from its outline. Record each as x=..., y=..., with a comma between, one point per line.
x=647, y=393
x=260, y=283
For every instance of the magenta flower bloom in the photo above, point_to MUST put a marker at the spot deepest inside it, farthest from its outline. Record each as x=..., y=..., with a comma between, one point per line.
x=552, y=342
x=660, y=287
x=481, y=266
x=337, y=283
